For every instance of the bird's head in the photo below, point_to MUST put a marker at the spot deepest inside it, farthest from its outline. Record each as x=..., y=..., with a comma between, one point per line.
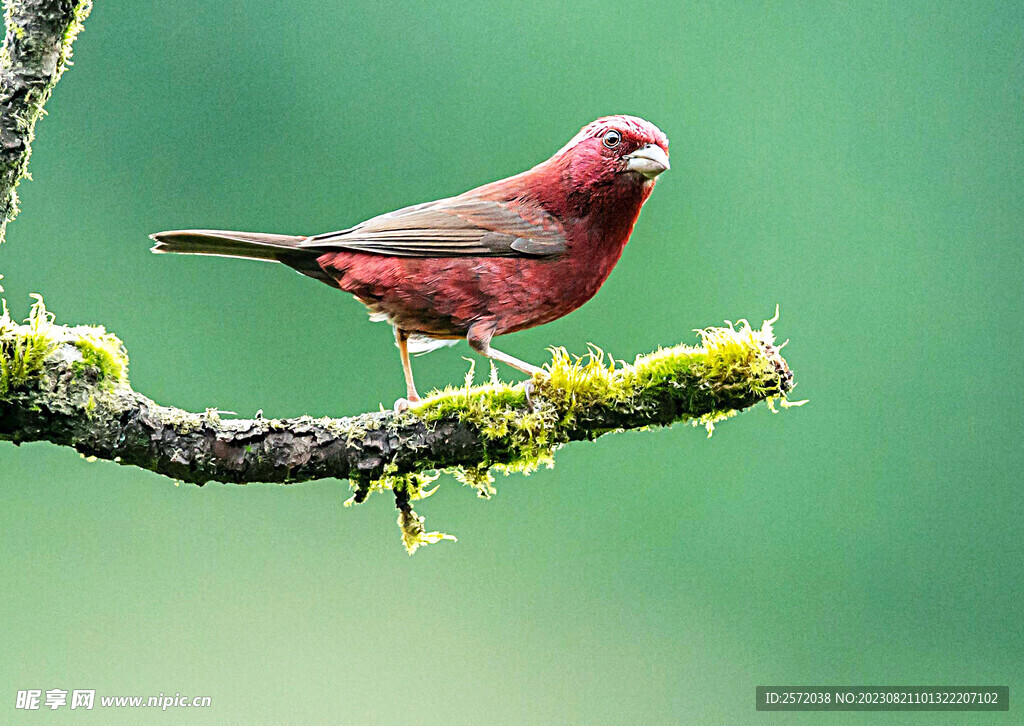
x=599, y=180
x=623, y=149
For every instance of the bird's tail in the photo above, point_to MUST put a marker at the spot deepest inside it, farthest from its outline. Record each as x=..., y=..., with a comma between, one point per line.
x=249, y=245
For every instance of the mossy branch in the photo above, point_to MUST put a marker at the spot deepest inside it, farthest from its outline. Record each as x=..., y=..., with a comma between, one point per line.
x=36, y=50
x=69, y=386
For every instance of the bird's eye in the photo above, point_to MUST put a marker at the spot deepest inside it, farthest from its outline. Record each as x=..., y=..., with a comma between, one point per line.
x=612, y=139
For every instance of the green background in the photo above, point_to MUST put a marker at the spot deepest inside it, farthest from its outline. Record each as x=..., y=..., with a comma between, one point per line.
x=859, y=164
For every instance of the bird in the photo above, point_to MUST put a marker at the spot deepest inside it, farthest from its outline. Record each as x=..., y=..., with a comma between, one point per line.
x=503, y=257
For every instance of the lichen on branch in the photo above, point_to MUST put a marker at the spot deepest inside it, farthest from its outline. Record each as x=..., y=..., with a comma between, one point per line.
x=69, y=386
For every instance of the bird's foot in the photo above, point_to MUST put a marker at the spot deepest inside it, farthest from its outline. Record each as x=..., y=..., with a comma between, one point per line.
x=402, y=405
x=529, y=388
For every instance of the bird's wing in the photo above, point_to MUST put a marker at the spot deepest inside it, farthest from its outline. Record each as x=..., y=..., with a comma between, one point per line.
x=454, y=227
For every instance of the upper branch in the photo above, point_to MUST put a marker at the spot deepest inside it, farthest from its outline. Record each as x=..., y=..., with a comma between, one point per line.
x=37, y=49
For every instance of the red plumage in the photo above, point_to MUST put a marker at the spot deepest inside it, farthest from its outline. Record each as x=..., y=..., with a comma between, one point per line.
x=503, y=257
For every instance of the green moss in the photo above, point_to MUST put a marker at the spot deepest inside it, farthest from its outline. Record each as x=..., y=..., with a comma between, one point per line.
x=479, y=478
x=732, y=365
x=103, y=351
x=23, y=348
x=82, y=10
x=415, y=534
x=516, y=439
x=406, y=488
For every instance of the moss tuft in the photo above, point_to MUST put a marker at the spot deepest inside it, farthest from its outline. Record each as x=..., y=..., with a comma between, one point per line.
x=407, y=488
x=479, y=478
x=516, y=438
x=82, y=10
x=734, y=367
x=415, y=534
x=23, y=348
x=103, y=351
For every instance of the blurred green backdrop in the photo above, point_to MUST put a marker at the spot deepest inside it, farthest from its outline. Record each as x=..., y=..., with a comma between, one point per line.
x=858, y=163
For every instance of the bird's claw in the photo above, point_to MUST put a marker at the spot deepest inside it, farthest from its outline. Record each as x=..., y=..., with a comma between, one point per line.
x=529, y=389
x=401, y=405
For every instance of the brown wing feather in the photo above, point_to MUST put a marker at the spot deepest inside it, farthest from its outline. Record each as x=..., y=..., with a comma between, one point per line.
x=455, y=227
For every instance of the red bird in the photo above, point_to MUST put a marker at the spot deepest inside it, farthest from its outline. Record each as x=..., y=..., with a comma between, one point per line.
x=503, y=257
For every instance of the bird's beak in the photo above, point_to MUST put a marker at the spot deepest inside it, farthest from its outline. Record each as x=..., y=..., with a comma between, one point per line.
x=649, y=160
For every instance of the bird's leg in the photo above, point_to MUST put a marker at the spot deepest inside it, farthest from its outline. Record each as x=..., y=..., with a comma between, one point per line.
x=479, y=338
x=402, y=341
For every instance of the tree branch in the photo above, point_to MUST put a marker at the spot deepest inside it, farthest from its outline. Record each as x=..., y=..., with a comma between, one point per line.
x=37, y=49
x=69, y=386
